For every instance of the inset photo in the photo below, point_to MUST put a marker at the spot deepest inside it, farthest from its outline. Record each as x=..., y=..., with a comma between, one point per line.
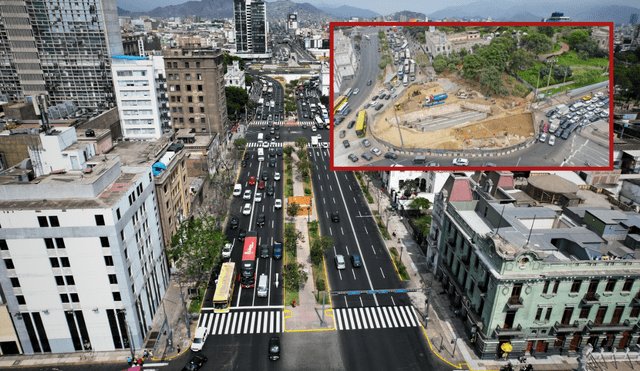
x=473, y=95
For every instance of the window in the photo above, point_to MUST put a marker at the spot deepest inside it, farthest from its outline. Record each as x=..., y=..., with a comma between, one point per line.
x=53, y=220
x=177, y=87
x=104, y=241
x=49, y=243
x=59, y=280
x=21, y=300
x=546, y=287
x=555, y=287
x=186, y=64
x=175, y=65
x=60, y=243
x=70, y=280
x=201, y=99
x=584, y=312
x=108, y=260
x=187, y=76
x=199, y=87
x=197, y=64
x=116, y=296
x=634, y=312
x=201, y=109
x=99, y=220
x=42, y=220
x=9, y=264
x=15, y=282
x=118, y=213
x=628, y=283
x=192, y=120
x=199, y=76
x=113, y=279
x=538, y=314
x=64, y=298
x=611, y=284
x=575, y=286
x=54, y=262
x=190, y=109
x=75, y=298
x=65, y=262
x=189, y=99
x=203, y=120
x=188, y=87
x=548, y=315
x=3, y=245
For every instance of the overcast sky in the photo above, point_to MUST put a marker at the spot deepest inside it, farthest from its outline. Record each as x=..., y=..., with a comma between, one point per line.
x=388, y=7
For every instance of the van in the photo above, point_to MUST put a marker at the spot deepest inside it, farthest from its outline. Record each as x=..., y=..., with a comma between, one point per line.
x=199, y=339
x=263, y=286
x=260, y=137
x=419, y=160
x=237, y=190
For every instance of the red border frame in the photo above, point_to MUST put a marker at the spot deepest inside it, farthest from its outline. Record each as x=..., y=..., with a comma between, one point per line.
x=446, y=168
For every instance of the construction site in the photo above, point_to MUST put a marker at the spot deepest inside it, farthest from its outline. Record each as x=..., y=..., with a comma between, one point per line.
x=444, y=115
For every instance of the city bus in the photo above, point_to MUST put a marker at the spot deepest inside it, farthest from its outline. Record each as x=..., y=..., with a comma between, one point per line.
x=400, y=71
x=260, y=154
x=336, y=104
x=224, y=288
x=343, y=107
x=248, y=263
x=349, y=92
x=361, y=124
x=319, y=122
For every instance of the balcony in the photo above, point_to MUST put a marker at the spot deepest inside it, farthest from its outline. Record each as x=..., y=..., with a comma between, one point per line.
x=570, y=327
x=515, y=302
x=482, y=286
x=591, y=298
x=510, y=331
x=624, y=326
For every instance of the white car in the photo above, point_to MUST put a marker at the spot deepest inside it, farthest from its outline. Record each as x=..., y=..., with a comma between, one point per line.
x=543, y=137
x=366, y=142
x=226, y=250
x=313, y=128
x=460, y=162
x=325, y=145
x=247, y=194
x=373, y=104
x=258, y=197
x=278, y=204
x=265, y=144
x=276, y=176
x=246, y=210
x=356, y=91
x=376, y=151
x=552, y=140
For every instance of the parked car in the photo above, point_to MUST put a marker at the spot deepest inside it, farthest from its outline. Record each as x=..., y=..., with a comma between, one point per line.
x=346, y=144
x=369, y=83
x=366, y=142
x=342, y=133
x=552, y=140
x=351, y=124
x=391, y=155
x=379, y=106
x=460, y=162
x=543, y=137
x=376, y=151
x=353, y=157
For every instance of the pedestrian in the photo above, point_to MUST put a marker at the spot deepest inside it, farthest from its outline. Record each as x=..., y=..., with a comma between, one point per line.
x=178, y=347
x=150, y=354
x=139, y=361
x=523, y=359
x=145, y=354
x=129, y=360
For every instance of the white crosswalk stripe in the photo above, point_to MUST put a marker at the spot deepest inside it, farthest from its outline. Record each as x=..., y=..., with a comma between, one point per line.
x=374, y=318
x=259, y=145
x=243, y=322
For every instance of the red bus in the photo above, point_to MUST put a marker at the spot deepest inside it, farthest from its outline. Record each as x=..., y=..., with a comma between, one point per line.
x=248, y=264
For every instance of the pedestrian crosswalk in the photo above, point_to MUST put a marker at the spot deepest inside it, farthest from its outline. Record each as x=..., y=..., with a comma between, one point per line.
x=243, y=322
x=365, y=318
x=281, y=123
x=271, y=145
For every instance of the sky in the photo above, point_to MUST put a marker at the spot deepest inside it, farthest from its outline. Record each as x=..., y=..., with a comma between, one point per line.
x=388, y=7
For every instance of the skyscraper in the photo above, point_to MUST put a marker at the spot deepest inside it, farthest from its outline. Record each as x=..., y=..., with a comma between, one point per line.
x=633, y=19
x=251, y=27
x=61, y=48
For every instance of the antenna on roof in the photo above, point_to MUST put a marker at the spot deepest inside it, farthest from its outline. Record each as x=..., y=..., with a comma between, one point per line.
x=500, y=221
x=531, y=229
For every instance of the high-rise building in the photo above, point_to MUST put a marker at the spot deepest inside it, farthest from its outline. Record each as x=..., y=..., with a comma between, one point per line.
x=633, y=19
x=61, y=48
x=251, y=28
x=292, y=23
x=83, y=262
x=195, y=80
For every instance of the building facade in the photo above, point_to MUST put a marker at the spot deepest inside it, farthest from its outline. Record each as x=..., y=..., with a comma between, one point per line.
x=546, y=281
x=91, y=235
x=195, y=81
x=134, y=79
x=62, y=49
x=437, y=43
x=251, y=27
x=235, y=76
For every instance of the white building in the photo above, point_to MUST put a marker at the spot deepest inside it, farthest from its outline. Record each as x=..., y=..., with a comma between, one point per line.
x=345, y=63
x=325, y=79
x=161, y=91
x=234, y=76
x=83, y=259
x=135, y=86
x=56, y=153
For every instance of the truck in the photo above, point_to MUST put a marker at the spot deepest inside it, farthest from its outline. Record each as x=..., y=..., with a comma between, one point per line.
x=434, y=100
x=314, y=141
x=412, y=72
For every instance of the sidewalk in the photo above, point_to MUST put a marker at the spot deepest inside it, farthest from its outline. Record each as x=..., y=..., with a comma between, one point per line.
x=304, y=317
x=444, y=327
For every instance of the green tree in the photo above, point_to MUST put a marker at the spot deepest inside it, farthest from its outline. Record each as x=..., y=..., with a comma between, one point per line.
x=301, y=143
x=236, y=99
x=505, y=43
x=439, y=63
x=496, y=55
x=248, y=80
x=228, y=59
x=420, y=203
x=319, y=247
x=196, y=246
x=491, y=79
x=294, y=275
x=547, y=31
x=521, y=60
x=536, y=43
x=577, y=37
x=424, y=224
x=584, y=55
x=290, y=107
x=305, y=166
x=240, y=142
x=288, y=150
x=293, y=209
x=463, y=53
x=472, y=65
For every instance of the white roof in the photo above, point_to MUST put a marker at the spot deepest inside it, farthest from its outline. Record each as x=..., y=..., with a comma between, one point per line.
x=571, y=176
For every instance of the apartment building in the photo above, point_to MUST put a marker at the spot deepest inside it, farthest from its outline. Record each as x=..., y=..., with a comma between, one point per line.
x=545, y=280
x=195, y=81
x=83, y=263
x=251, y=28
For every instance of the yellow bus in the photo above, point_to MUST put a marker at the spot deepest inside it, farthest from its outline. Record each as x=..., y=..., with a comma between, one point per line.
x=336, y=104
x=361, y=124
x=224, y=288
